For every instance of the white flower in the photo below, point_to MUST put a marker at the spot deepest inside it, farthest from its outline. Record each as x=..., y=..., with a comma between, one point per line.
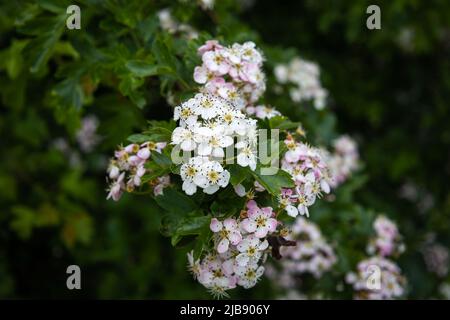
x=249, y=275
x=185, y=138
x=188, y=172
x=251, y=249
x=226, y=232
x=246, y=156
x=211, y=177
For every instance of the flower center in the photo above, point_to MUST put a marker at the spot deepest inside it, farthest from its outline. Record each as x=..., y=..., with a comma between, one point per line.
x=260, y=221
x=213, y=176
x=186, y=113
x=191, y=171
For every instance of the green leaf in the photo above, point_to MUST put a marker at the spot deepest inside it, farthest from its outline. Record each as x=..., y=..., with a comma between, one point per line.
x=282, y=123
x=273, y=183
x=175, y=202
x=142, y=68
x=190, y=226
x=161, y=159
x=139, y=138
x=237, y=173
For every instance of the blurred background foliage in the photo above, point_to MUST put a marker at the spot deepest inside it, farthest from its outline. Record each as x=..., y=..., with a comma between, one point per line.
x=389, y=89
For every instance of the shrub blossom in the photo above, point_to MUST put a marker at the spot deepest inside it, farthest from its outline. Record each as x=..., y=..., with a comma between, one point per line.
x=311, y=255
x=169, y=24
x=305, y=76
x=262, y=112
x=86, y=135
x=240, y=248
x=310, y=174
x=387, y=240
x=207, y=125
x=343, y=161
x=127, y=167
x=234, y=73
x=391, y=281
x=436, y=258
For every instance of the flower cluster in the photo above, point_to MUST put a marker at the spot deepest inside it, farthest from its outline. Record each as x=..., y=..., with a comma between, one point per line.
x=240, y=247
x=377, y=278
x=127, y=168
x=169, y=24
x=234, y=73
x=310, y=174
x=387, y=241
x=436, y=258
x=312, y=255
x=262, y=112
x=207, y=125
x=159, y=184
x=86, y=135
x=343, y=161
x=305, y=76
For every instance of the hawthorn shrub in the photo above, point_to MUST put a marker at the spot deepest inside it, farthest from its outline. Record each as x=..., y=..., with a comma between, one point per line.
x=363, y=150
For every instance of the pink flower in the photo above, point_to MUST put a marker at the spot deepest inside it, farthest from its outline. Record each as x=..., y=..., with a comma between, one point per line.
x=209, y=46
x=202, y=75
x=216, y=62
x=260, y=221
x=227, y=232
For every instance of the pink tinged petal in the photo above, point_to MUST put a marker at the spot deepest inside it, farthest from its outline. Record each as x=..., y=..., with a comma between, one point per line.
x=215, y=225
x=267, y=211
x=253, y=213
x=235, y=237
x=200, y=75
x=251, y=204
x=230, y=224
x=144, y=153
x=228, y=267
x=261, y=232
x=223, y=246
x=240, y=190
x=271, y=224
x=248, y=225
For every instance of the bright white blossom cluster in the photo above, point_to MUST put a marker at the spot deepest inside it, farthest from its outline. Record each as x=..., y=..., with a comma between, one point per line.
x=233, y=73
x=209, y=124
x=387, y=241
x=171, y=25
x=127, y=168
x=240, y=248
x=305, y=76
x=312, y=254
x=391, y=281
x=343, y=161
x=309, y=172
